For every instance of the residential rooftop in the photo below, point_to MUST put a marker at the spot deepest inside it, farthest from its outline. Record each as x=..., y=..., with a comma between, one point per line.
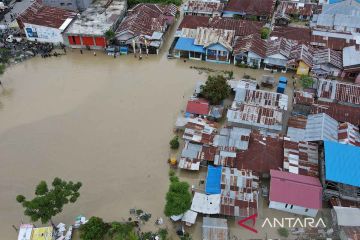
x=251, y=7
x=41, y=15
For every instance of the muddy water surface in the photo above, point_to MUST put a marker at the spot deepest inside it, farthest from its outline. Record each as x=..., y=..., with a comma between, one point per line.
x=105, y=122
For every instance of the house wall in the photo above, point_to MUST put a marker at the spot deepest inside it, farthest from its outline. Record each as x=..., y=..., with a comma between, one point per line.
x=276, y=60
x=293, y=209
x=222, y=54
x=80, y=41
x=43, y=34
x=253, y=58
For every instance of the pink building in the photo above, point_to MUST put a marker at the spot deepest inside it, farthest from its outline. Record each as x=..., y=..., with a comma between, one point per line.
x=295, y=193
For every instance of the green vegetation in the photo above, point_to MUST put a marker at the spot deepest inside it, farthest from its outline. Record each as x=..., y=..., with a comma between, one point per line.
x=186, y=237
x=5, y=55
x=178, y=198
x=283, y=232
x=229, y=75
x=265, y=33
x=163, y=233
x=132, y=3
x=49, y=202
x=2, y=69
x=119, y=231
x=215, y=89
x=171, y=172
x=306, y=81
x=109, y=35
x=95, y=228
x=174, y=143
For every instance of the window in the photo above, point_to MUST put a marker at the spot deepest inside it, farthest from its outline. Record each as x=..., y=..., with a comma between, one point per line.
x=286, y=205
x=306, y=210
x=291, y=207
x=62, y=4
x=69, y=4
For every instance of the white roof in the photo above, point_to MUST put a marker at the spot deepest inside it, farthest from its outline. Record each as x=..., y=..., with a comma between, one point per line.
x=189, y=217
x=65, y=24
x=207, y=204
x=351, y=56
x=347, y=216
x=25, y=232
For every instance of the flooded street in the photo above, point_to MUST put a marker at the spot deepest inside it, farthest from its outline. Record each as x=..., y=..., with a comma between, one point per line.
x=105, y=122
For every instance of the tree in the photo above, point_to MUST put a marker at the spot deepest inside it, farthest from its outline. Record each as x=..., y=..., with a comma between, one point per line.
x=121, y=230
x=306, y=81
x=109, y=35
x=94, y=229
x=178, y=198
x=49, y=202
x=174, y=143
x=265, y=32
x=2, y=69
x=215, y=89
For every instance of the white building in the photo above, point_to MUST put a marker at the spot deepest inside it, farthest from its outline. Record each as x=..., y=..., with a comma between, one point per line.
x=45, y=24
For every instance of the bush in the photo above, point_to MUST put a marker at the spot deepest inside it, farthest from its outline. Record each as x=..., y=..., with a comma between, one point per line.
x=283, y=232
x=306, y=81
x=178, y=198
x=163, y=233
x=95, y=228
x=171, y=172
x=265, y=32
x=174, y=143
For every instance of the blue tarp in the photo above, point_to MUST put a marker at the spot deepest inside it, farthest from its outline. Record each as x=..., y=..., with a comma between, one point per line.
x=187, y=44
x=283, y=79
x=342, y=163
x=213, y=180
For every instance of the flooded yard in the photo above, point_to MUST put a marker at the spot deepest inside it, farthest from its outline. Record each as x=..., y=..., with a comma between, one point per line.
x=105, y=122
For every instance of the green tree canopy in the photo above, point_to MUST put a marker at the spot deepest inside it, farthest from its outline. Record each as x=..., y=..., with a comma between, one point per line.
x=174, y=143
x=49, y=202
x=94, y=229
x=215, y=89
x=178, y=198
x=265, y=32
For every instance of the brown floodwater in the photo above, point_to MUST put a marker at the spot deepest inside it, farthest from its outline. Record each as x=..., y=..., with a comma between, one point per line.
x=105, y=122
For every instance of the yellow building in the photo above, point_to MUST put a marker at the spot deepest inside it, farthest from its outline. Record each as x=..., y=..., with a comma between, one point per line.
x=302, y=69
x=43, y=233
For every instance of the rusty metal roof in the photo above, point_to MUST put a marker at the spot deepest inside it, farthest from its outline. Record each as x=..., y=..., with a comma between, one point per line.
x=251, y=7
x=239, y=192
x=253, y=43
x=349, y=134
x=301, y=157
x=196, y=6
x=339, y=91
x=342, y=113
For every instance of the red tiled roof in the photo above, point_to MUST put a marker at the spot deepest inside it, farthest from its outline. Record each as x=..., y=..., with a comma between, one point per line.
x=198, y=106
x=193, y=22
x=241, y=27
x=302, y=35
x=251, y=7
x=252, y=43
x=41, y=15
x=295, y=189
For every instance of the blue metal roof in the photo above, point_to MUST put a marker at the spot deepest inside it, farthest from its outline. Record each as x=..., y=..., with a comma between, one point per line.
x=342, y=163
x=187, y=44
x=213, y=180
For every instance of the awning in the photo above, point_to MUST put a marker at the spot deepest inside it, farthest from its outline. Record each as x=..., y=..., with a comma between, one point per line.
x=187, y=44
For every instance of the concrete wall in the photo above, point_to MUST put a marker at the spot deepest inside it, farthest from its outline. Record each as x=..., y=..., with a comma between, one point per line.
x=43, y=34
x=293, y=209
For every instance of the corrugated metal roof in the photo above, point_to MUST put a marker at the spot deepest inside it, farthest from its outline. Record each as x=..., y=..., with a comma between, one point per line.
x=301, y=158
x=295, y=189
x=215, y=229
x=239, y=192
x=349, y=134
x=339, y=91
x=320, y=127
x=262, y=98
x=187, y=44
x=342, y=163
